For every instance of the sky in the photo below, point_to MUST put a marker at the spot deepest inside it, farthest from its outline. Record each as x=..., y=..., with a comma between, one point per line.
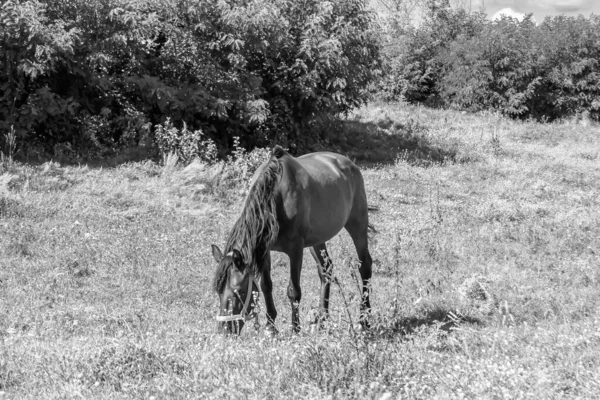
x=494, y=8
x=539, y=8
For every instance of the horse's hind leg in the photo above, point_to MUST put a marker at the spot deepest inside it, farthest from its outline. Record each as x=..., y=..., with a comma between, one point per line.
x=266, y=285
x=324, y=264
x=294, y=293
x=357, y=227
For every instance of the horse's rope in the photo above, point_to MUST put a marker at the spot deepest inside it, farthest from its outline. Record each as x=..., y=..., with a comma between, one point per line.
x=243, y=315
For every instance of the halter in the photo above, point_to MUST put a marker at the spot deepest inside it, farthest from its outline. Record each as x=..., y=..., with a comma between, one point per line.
x=243, y=315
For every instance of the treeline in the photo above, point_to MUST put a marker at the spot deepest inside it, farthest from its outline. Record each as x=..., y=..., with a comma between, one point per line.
x=94, y=76
x=523, y=69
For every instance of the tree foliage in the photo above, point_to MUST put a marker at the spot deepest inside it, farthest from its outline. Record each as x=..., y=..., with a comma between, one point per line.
x=100, y=74
x=523, y=69
x=413, y=67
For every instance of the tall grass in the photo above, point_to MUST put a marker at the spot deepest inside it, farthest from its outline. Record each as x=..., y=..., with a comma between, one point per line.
x=485, y=274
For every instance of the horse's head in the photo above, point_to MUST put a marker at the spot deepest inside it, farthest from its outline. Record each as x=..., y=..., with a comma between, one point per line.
x=237, y=290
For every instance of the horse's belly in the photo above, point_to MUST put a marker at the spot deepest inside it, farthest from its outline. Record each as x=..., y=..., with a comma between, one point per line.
x=318, y=236
x=327, y=218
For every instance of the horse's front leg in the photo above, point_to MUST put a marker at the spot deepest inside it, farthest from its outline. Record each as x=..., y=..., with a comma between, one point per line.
x=294, y=292
x=266, y=285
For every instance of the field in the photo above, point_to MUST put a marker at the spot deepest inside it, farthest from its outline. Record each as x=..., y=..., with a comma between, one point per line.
x=486, y=273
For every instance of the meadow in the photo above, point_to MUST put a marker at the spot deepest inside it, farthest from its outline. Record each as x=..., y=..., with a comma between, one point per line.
x=486, y=272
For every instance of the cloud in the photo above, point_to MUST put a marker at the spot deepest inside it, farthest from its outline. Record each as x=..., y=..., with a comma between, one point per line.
x=570, y=5
x=509, y=12
x=541, y=8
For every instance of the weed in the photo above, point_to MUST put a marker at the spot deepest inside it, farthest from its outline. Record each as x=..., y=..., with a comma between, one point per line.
x=10, y=140
x=9, y=206
x=8, y=377
x=78, y=271
x=186, y=144
x=114, y=365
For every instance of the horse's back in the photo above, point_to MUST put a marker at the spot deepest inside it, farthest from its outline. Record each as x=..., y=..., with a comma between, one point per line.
x=325, y=166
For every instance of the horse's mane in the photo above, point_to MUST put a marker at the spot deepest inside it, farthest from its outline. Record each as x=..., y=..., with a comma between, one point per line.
x=256, y=229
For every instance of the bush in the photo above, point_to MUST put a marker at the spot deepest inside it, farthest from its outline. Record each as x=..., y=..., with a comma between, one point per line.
x=497, y=69
x=460, y=60
x=186, y=144
x=569, y=55
x=413, y=70
x=32, y=47
x=100, y=74
x=548, y=71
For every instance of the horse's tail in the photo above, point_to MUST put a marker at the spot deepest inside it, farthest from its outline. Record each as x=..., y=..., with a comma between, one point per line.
x=278, y=151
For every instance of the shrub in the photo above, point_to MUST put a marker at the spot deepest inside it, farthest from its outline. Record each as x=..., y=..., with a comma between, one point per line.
x=569, y=56
x=98, y=73
x=494, y=70
x=186, y=144
x=32, y=47
x=460, y=60
x=413, y=69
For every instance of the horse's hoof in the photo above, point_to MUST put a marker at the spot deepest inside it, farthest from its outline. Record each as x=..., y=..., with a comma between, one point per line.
x=318, y=326
x=271, y=331
x=317, y=320
x=314, y=315
x=364, y=327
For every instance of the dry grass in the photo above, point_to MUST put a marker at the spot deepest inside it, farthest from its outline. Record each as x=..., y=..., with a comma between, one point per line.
x=485, y=284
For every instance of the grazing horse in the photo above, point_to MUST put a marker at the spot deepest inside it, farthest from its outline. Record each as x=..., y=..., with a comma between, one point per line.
x=292, y=203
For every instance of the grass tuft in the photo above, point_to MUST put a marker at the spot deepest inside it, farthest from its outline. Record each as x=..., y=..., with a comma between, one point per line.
x=117, y=364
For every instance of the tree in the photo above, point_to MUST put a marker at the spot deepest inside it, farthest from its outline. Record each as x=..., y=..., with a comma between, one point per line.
x=102, y=73
x=413, y=68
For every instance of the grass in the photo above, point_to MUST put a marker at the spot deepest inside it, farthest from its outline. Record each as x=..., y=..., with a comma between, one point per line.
x=486, y=279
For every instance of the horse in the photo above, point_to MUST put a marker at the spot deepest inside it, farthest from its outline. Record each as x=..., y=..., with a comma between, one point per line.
x=292, y=203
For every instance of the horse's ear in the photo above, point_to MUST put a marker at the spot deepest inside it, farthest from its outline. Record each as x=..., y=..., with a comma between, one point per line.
x=238, y=260
x=216, y=252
